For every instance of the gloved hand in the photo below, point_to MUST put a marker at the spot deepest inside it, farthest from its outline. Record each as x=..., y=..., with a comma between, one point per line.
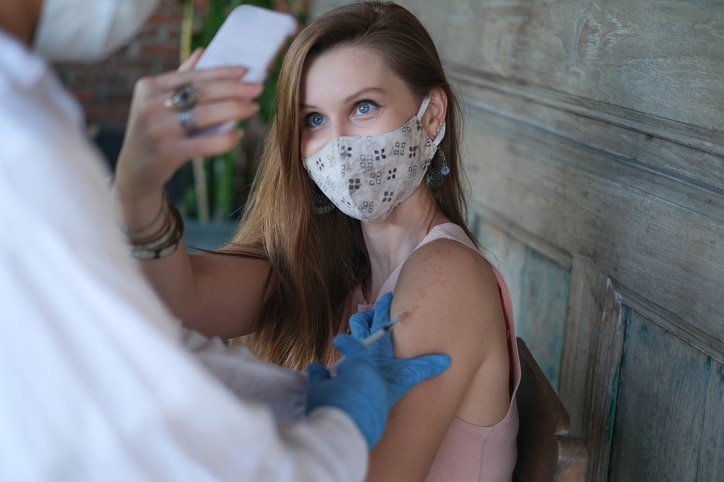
x=362, y=325
x=370, y=380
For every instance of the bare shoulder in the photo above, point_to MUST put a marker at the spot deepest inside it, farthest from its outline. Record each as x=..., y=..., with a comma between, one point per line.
x=452, y=260
x=451, y=292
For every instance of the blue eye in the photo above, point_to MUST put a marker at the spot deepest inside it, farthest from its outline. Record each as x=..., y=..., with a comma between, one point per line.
x=314, y=119
x=364, y=108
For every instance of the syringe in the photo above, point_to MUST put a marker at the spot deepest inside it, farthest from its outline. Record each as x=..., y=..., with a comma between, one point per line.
x=369, y=340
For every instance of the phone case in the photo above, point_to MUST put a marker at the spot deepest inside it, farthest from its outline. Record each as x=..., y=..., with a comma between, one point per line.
x=251, y=37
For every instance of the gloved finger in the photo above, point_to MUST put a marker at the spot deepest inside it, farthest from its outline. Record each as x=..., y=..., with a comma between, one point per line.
x=317, y=372
x=348, y=345
x=360, y=324
x=412, y=371
x=382, y=312
x=428, y=366
x=409, y=372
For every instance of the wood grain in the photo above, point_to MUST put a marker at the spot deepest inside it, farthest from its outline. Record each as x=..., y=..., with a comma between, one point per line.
x=660, y=413
x=657, y=57
x=658, y=236
x=585, y=306
x=711, y=457
x=602, y=391
x=539, y=291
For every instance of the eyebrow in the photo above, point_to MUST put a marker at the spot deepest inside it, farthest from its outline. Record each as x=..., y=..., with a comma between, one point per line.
x=349, y=98
x=365, y=90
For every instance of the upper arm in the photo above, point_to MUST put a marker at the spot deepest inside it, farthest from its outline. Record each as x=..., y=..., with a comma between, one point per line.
x=451, y=298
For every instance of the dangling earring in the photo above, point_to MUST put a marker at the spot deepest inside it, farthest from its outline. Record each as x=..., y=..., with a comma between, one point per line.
x=436, y=174
x=322, y=204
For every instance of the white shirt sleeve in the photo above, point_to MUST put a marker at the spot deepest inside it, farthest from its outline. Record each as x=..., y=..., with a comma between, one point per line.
x=94, y=382
x=282, y=390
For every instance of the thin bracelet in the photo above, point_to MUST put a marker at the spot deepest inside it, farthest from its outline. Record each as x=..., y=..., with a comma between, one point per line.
x=164, y=226
x=166, y=243
x=132, y=231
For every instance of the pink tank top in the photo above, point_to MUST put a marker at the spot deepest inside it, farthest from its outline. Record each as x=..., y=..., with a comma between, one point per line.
x=471, y=452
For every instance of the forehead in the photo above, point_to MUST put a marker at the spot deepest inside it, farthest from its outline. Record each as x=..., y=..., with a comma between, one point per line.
x=347, y=69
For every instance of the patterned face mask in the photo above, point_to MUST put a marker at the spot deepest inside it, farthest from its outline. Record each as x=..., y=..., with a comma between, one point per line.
x=367, y=177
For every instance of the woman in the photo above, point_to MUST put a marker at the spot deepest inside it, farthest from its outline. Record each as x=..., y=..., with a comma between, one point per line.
x=358, y=193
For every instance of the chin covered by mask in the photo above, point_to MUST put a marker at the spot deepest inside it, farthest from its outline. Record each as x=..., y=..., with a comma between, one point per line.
x=88, y=30
x=366, y=177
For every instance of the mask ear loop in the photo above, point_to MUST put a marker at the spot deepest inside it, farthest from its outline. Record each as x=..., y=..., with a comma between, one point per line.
x=421, y=112
x=440, y=135
x=423, y=107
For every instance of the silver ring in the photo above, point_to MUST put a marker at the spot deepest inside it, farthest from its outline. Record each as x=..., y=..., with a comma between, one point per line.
x=183, y=97
x=187, y=120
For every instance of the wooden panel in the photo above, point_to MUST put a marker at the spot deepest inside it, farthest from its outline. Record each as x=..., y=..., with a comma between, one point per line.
x=627, y=136
x=504, y=251
x=543, y=312
x=665, y=58
x=602, y=390
x=661, y=410
x=711, y=459
x=585, y=306
x=639, y=226
x=539, y=291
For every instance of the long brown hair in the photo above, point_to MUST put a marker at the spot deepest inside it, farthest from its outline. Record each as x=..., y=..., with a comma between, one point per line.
x=318, y=260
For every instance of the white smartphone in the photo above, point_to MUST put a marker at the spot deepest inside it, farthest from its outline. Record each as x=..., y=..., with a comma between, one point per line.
x=251, y=37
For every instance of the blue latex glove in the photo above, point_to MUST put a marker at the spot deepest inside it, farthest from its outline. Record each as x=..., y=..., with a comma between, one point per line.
x=362, y=325
x=369, y=380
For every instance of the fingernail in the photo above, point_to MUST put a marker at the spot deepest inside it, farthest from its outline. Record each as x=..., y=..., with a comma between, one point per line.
x=257, y=89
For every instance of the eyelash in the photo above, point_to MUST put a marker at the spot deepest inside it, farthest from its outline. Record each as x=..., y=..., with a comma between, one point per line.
x=365, y=102
x=306, y=122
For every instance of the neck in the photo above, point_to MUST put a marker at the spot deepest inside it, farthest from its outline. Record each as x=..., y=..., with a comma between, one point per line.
x=390, y=243
x=19, y=18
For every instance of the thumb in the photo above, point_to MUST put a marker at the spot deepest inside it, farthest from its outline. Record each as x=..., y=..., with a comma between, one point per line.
x=382, y=312
x=348, y=345
x=317, y=372
x=409, y=372
x=421, y=368
x=360, y=323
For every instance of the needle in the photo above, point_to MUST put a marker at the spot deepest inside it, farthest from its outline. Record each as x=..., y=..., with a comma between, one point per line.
x=369, y=340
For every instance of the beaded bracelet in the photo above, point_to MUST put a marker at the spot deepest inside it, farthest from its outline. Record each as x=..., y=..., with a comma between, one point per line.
x=165, y=242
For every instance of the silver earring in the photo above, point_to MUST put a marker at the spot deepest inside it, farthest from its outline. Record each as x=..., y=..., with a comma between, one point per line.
x=322, y=204
x=436, y=173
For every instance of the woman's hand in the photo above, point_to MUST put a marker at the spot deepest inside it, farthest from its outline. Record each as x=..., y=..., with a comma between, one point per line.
x=156, y=144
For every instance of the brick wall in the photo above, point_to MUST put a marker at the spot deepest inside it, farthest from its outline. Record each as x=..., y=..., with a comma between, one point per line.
x=105, y=88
